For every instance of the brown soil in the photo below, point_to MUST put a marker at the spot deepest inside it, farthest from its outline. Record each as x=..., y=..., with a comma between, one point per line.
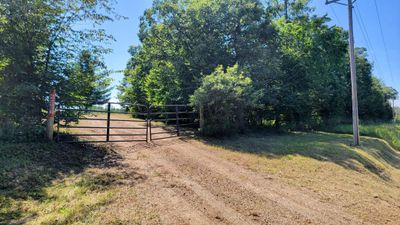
x=189, y=183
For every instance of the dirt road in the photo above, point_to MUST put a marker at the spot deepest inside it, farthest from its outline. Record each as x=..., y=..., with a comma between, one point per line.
x=188, y=182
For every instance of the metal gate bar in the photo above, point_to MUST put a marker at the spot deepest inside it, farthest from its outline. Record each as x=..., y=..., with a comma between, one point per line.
x=108, y=127
x=165, y=114
x=179, y=114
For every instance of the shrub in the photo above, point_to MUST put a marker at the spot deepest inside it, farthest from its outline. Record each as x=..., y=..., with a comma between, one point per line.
x=225, y=97
x=27, y=131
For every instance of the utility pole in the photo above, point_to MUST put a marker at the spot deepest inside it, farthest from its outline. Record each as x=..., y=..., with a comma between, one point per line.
x=356, y=132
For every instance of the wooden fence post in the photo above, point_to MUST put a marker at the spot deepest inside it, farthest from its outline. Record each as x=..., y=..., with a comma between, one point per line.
x=147, y=123
x=177, y=120
x=50, y=116
x=108, y=121
x=201, y=118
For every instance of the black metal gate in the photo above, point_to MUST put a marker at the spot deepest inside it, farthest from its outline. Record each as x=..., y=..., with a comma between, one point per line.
x=121, y=122
x=174, y=120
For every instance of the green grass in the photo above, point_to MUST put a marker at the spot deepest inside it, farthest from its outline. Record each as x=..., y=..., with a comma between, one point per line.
x=365, y=180
x=48, y=183
x=389, y=132
x=373, y=155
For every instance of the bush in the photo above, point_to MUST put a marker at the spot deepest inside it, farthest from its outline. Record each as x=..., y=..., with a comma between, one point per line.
x=226, y=97
x=26, y=132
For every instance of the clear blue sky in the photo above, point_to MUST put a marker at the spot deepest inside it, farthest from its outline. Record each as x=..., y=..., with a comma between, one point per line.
x=125, y=33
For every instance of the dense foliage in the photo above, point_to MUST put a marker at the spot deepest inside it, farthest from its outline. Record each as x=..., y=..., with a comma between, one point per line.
x=295, y=59
x=224, y=99
x=88, y=81
x=42, y=42
x=298, y=64
x=184, y=40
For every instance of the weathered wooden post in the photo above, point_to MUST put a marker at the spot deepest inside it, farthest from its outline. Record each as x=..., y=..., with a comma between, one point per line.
x=177, y=120
x=201, y=118
x=108, y=121
x=50, y=116
x=147, y=123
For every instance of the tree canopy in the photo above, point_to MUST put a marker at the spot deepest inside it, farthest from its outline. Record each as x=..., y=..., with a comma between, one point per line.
x=295, y=59
x=42, y=44
x=297, y=62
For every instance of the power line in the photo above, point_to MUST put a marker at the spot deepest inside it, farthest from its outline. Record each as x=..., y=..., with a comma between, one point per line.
x=334, y=13
x=364, y=32
x=384, y=42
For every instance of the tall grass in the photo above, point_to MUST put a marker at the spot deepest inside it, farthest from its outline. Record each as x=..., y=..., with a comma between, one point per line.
x=389, y=132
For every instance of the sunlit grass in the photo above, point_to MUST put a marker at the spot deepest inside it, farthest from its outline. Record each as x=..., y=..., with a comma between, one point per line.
x=358, y=178
x=372, y=155
x=389, y=132
x=66, y=201
x=46, y=183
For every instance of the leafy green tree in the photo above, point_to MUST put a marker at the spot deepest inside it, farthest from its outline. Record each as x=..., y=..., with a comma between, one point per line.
x=88, y=82
x=298, y=61
x=390, y=93
x=131, y=88
x=225, y=98
x=183, y=40
x=3, y=21
x=294, y=9
x=161, y=86
x=313, y=80
x=373, y=95
x=39, y=40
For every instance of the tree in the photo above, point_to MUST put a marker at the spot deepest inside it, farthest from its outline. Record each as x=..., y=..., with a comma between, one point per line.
x=39, y=40
x=373, y=95
x=227, y=97
x=183, y=40
x=88, y=82
x=3, y=22
x=131, y=88
x=299, y=62
x=313, y=80
x=289, y=9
